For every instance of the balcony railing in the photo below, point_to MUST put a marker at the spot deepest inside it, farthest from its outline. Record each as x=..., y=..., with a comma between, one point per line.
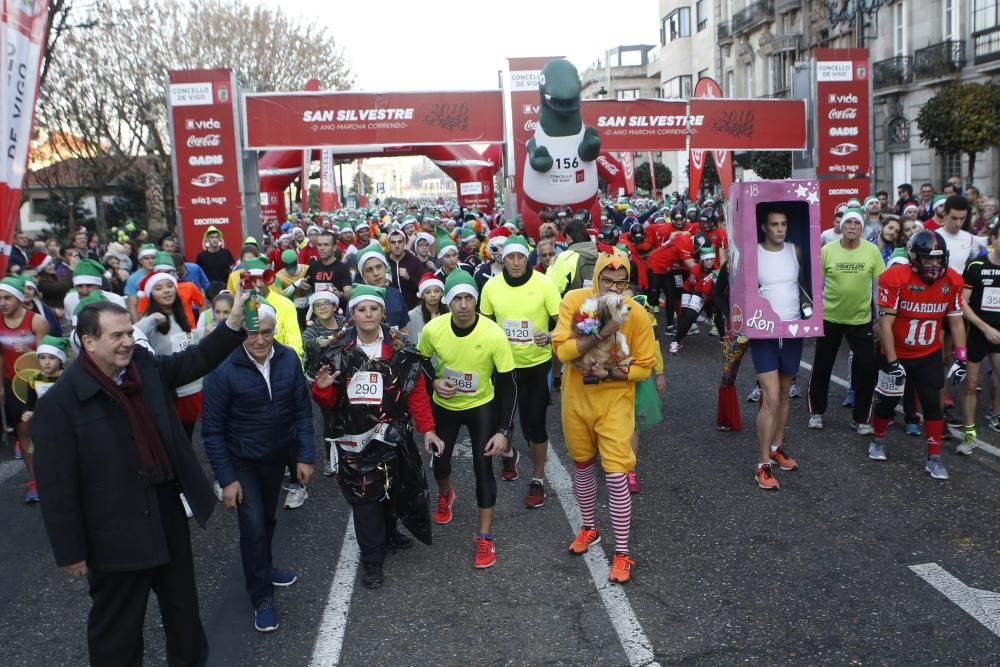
x=753, y=15
x=892, y=72
x=786, y=42
x=987, y=45
x=782, y=6
x=723, y=33
x=939, y=60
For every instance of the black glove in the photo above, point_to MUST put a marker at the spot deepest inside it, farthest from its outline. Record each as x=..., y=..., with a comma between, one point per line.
x=895, y=369
x=957, y=372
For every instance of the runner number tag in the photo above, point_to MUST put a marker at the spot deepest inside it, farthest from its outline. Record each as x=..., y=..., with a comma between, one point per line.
x=301, y=302
x=365, y=389
x=519, y=331
x=465, y=383
x=180, y=342
x=991, y=299
x=890, y=385
x=42, y=387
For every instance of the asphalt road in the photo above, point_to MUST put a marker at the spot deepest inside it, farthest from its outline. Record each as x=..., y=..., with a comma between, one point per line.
x=817, y=573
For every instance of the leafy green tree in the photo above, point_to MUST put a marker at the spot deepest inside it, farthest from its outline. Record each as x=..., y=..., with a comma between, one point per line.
x=772, y=165
x=643, y=182
x=962, y=119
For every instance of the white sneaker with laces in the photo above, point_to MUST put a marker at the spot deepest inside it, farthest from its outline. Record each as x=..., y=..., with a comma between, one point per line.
x=297, y=495
x=675, y=348
x=816, y=422
x=794, y=391
x=754, y=395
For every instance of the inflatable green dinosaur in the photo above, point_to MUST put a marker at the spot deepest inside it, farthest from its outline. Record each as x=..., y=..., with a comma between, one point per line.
x=560, y=168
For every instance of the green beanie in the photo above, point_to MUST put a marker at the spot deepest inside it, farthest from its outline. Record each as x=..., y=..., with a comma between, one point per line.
x=13, y=285
x=164, y=262
x=147, y=250
x=370, y=252
x=93, y=297
x=289, y=257
x=938, y=200
x=88, y=272
x=459, y=282
x=57, y=347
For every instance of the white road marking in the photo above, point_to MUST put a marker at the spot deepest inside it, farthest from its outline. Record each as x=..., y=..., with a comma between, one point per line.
x=10, y=468
x=638, y=648
x=982, y=605
x=330, y=636
x=958, y=433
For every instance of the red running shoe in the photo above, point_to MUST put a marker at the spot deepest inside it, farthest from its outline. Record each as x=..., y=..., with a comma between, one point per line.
x=486, y=553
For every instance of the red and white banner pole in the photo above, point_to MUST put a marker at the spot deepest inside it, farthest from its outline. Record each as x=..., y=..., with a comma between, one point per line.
x=22, y=41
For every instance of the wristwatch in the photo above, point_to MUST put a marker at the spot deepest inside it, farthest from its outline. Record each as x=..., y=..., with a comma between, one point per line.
x=506, y=432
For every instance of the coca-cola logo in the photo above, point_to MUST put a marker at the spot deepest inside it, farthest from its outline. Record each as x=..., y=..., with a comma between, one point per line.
x=850, y=113
x=207, y=180
x=736, y=319
x=530, y=125
x=204, y=141
x=608, y=165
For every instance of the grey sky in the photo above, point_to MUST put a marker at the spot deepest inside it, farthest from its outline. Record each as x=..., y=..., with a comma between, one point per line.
x=460, y=44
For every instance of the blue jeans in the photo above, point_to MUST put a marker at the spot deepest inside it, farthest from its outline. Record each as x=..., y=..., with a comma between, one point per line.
x=261, y=483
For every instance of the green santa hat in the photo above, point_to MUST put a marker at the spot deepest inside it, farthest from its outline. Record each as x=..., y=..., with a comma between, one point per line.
x=93, y=297
x=251, y=241
x=446, y=248
x=346, y=226
x=853, y=202
x=57, y=347
x=147, y=250
x=872, y=200
x=855, y=214
x=13, y=285
x=255, y=266
x=707, y=252
x=468, y=233
x=515, y=243
x=898, y=256
x=90, y=272
x=289, y=257
x=938, y=200
x=212, y=229
x=459, y=282
x=372, y=251
x=361, y=293
x=164, y=262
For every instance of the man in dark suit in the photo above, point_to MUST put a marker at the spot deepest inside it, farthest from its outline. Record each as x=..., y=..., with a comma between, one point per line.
x=112, y=458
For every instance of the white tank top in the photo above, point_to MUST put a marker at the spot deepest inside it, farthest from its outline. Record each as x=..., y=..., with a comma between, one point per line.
x=778, y=273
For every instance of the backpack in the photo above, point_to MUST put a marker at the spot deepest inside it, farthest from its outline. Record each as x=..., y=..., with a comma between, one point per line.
x=584, y=272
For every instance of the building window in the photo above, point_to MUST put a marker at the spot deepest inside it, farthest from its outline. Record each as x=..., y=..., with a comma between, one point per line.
x=985, y=14
x=899, y=28
x=951, y=165
x=628, y=94
x=676, y=25
x=39, y=206
x=730, y=84
x=949, y=20
x=678, y=87
x=700, y=16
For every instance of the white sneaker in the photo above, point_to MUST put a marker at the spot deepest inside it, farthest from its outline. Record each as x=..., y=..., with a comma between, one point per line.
x=328, y=470
x=297, y=495
x=694, y=331
x=714, y=331
x=865, y=429
x=816, y=422
x=794, y=391
x=217, y=489
x=675, y=348
x=754, y=395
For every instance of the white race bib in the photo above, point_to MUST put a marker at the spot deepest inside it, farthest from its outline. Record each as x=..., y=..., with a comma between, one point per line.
x=991, y=299
x=323, y=287
x=180, y=342
x=465, y=383
x=695, y=302
x=519, y=331
x=888, y=385
x=302, y=302
x=365, y=388
x=42, y=387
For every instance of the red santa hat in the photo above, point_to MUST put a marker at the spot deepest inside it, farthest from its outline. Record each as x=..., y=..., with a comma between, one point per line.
x=40, y=260
x=428, y=280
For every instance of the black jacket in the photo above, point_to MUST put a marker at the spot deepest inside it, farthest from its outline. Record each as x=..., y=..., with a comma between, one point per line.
x=97, y=504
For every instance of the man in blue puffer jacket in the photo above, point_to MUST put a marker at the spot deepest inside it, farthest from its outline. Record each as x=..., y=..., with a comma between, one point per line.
x=257, y=414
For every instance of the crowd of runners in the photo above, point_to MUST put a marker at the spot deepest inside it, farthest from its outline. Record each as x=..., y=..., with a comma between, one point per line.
x=424, y=317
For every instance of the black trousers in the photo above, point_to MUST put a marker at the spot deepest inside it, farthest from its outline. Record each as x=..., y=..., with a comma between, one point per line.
x=862, y=344
x=926, y=374
x=261, y=484
x=114, y=629
x=373, y=523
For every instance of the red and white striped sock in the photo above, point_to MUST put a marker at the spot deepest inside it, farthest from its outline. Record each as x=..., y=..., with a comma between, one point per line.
x=585, y=487
x=620, y=505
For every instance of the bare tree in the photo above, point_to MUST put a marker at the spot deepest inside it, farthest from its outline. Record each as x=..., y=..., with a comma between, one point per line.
x=107, y=86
